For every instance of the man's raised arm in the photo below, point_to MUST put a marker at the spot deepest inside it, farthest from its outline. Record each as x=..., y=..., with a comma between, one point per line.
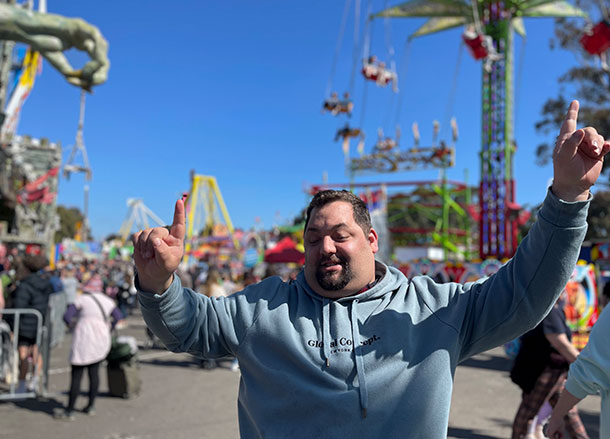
x=157, y=252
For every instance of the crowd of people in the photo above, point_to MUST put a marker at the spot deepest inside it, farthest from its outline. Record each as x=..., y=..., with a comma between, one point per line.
x=87, y=298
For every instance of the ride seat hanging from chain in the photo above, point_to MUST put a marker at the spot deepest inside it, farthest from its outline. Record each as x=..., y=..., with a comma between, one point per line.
x=597, y=39
x=370, y=69
x=475, y=45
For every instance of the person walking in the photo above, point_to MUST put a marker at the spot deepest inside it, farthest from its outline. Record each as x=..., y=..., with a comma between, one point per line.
x=539, y=370
x=91, y=316
x=588, y=375
x=353, y=348
x=70, y=283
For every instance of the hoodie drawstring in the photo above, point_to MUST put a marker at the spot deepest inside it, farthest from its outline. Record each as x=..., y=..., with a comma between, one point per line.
x=364, y=396
x=326, y=330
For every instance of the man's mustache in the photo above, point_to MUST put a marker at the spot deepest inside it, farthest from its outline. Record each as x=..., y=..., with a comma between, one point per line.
x=333, y=260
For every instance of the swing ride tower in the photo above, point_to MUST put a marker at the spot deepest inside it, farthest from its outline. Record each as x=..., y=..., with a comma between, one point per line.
x=494, y=22
x=498, y=209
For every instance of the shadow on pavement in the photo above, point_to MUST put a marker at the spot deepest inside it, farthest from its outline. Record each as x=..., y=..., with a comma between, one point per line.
x=44, y=405
x=492, y=362
x=463, y=433
x=194, y=363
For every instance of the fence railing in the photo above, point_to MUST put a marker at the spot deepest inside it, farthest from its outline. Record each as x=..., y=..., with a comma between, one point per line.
x=9, y=355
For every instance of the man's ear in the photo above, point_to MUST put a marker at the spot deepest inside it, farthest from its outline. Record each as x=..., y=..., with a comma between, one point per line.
x=373, y=240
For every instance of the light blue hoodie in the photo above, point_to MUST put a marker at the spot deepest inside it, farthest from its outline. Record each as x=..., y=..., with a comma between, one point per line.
x=377, y=364
x=590, y=373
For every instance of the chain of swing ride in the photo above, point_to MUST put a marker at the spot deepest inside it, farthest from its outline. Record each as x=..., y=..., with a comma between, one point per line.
x=365, y=46
x=366, y=41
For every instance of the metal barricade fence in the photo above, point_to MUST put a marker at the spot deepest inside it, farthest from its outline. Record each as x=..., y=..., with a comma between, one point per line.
x=9, y=355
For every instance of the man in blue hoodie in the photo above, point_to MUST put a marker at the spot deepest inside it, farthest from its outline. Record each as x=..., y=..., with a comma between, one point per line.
x=353, y=348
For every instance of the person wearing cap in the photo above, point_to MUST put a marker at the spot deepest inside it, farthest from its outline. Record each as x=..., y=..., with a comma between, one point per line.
x=91, y=317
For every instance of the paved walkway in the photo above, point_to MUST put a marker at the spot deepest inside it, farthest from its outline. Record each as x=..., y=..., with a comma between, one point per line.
x=179, y=400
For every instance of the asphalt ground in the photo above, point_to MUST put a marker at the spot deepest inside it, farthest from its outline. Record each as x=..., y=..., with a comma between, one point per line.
x=181, y=400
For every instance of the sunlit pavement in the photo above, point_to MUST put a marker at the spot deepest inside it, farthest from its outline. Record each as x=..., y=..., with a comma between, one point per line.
x=179, y=400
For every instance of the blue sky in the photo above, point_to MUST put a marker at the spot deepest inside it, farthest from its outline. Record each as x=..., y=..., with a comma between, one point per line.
x=234, y=90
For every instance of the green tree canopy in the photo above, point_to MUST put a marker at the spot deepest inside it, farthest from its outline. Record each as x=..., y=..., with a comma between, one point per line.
x=599, y=216
x=69, y=219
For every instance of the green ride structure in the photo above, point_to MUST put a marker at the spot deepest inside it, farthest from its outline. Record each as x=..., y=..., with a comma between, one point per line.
x=490, y=27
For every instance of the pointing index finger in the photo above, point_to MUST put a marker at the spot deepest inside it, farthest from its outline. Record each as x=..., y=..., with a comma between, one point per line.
x=178, y=228
x=569, y=124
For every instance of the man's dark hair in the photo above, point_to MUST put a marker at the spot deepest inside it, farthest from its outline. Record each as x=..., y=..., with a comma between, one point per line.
x=361, y=212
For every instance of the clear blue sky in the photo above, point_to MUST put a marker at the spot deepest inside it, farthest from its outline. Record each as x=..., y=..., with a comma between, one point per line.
x=234, y=90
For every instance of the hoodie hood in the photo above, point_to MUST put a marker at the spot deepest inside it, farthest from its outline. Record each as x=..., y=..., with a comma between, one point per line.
x=387, y=279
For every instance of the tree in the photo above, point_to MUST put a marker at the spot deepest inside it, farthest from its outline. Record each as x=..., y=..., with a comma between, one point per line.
x=589, y=81
x=599, y=217
x=70, y=219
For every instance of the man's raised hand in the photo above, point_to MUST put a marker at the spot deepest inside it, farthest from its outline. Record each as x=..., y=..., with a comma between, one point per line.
x=157, y=252
x=577, y=158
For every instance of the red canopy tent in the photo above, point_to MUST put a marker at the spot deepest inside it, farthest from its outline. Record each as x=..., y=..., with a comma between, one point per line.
x=285, y=251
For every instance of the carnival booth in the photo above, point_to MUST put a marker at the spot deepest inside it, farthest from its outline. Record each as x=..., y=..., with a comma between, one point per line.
x=285, y=252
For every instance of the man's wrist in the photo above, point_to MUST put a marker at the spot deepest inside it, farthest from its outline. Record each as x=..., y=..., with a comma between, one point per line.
x=157, y=287
x=570, y=194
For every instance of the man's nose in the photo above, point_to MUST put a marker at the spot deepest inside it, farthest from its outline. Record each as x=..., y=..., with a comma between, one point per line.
x=328, y=245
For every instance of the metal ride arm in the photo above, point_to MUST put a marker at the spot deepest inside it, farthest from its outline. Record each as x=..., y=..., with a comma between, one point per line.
x=79, y=145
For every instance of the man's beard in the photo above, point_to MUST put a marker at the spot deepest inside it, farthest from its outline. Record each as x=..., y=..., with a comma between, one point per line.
x=329, y=280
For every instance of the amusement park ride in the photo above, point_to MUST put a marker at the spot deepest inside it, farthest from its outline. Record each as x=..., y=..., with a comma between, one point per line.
x=71, y=166
x=30, y=167
x=489, y=26
x=139, y=215
x=204, y=206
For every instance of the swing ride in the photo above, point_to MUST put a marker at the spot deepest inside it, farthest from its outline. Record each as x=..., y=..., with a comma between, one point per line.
x=376, y=71
x=386, y=154
x=488, y=36
x=596, y=40
x=335, y=106
x=30, y=167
